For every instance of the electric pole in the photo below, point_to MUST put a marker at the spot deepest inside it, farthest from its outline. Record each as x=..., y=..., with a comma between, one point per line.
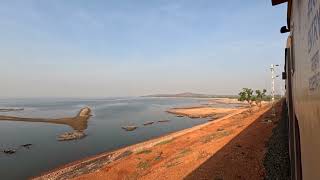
x=273, y=77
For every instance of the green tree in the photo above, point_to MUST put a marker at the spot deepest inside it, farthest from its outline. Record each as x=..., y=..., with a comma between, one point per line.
x=260, y=96
x=247, y=95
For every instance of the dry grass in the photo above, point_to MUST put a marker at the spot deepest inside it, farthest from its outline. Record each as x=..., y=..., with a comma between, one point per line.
x=216, y=135
x=164, y=142
x=172, y=164
x=159, y=157
x=144, y=151
x=143, y=164
x=185, y=152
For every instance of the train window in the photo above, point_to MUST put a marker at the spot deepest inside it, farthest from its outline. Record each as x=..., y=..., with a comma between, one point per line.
x=284, y=75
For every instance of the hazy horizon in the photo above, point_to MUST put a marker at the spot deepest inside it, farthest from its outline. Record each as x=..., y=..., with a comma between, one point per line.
x=102, y=97
x=118, y=49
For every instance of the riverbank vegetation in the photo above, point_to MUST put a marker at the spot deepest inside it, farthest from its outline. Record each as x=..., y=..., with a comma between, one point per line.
x=253, y=97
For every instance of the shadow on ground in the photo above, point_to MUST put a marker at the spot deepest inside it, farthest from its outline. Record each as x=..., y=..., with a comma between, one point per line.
x=243, y=157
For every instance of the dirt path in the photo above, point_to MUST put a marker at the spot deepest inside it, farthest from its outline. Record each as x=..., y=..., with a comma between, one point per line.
x=230, y=148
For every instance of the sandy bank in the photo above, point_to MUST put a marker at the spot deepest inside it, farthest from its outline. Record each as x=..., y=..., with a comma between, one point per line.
x=78, y=122
x=226, y=101
x=201, y=112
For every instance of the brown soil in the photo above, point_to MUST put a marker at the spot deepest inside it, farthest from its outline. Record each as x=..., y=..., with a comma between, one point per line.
x=230, y=148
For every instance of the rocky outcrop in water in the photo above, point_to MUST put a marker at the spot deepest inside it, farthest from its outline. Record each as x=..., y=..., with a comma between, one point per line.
x=68, y=136
x=84, y=112
x=148, y=123
x=78, y=123
x=163, y=120
x=129, y=128
x=9, y=151
x=26, y=145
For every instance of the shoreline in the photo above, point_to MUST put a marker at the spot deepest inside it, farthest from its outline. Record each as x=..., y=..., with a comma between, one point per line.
x=118, y=154
x=202, y=112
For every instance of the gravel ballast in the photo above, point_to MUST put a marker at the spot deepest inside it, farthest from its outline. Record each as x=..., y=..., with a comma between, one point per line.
x=276, y=162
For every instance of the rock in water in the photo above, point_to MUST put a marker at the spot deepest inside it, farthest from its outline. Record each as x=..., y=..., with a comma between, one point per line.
x=26, y=145
x=164, y=121
x=84, y=112
x=194, y=116
x=68, y=136
x=129, y=128
x=148, y=123
x=9, y=151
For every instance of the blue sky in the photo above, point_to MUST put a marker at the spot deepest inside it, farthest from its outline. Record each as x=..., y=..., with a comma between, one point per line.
x=80, y=48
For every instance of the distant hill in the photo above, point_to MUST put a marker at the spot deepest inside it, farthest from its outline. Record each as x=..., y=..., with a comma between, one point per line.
x=192, y=95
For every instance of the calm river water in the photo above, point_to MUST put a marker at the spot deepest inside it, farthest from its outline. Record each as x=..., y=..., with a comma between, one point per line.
x=104, y=131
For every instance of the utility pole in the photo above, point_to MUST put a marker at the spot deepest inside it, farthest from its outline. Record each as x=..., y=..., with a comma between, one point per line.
x=273, y=77
x=282, y=90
